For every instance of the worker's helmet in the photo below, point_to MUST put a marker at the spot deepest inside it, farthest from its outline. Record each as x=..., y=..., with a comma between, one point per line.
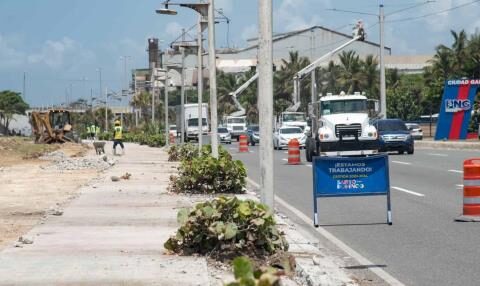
x=117, y=122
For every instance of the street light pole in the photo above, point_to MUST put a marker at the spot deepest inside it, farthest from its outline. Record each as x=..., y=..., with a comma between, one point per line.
x=200, y=82
x=106, y=109
x=383, y=96
x=212, y=67
x=167, y=132
x=265, y=101
x=182, y=90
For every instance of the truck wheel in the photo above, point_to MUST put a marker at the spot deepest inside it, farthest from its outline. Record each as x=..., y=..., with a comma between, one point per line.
x=309, y=149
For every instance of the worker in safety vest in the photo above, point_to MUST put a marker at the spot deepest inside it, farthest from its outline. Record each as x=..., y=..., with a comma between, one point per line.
x=92, y=131
x=88, y=132
x=118, y=137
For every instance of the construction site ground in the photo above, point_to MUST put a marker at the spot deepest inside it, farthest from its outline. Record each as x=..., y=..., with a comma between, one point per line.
x=27, y=190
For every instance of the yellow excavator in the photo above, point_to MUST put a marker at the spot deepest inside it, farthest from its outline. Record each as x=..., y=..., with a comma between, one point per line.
x=52, y=126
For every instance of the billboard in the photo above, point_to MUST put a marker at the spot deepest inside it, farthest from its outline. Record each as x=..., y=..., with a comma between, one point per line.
x=456, y=109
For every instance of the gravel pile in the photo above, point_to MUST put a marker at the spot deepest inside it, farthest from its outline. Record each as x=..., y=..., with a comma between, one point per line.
x=63, y=162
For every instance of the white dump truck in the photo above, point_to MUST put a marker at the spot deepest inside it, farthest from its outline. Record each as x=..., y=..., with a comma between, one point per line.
x=191, y=120
x=342, y=127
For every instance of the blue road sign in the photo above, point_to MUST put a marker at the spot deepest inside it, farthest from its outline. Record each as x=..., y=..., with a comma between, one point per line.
x=351, y=176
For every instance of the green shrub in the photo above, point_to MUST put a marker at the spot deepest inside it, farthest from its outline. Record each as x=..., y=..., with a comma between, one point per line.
x=245, y=275
x=227, y=227
x=190, y=151
x=207, y=175
x=182, y=152
x=105, y=136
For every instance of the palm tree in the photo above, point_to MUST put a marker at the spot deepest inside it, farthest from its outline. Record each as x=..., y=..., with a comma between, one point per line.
x=350, y=73
x=459, y=51
x=248, y=98
x=226, y=83
x=371, y=75
x=284, y=87
x=143, y=101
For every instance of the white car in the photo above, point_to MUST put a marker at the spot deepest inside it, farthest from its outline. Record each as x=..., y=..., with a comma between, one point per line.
x=224, y=135
x=283, y=135
x=172, y=129
x=415, y=130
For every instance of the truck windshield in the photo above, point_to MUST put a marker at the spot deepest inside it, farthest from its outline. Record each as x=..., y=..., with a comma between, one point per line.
x=194, y=122
x=293, y=117
x=236, y=120
x=391, y=125
x=344, y=106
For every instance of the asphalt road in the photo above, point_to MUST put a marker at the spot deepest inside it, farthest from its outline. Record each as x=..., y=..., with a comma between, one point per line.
x=424, y=246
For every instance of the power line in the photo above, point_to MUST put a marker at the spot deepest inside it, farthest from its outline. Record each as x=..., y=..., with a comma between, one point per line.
x=410, y=7
x=352, y=12
x=433, y=13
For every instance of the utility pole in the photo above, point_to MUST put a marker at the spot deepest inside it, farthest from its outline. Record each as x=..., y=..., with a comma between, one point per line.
x=265, y=101
x=182, y=90
x=200, y=81
x=24, y=86
x=106, y=109
x=212, y=67
x=383, y=96
x=313, y=84
x=91, y=100
x=167, y=132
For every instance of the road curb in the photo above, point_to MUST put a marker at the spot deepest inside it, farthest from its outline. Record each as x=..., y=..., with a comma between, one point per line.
x=307, y=269
x=451, y=145
x=307, y=256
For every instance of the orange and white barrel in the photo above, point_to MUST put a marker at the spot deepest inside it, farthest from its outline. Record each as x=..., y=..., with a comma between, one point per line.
x=243, y=144
x=471, y=190
x=293, y=152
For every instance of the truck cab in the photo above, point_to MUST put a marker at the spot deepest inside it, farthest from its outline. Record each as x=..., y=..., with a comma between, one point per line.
x=294, y=119
x=344, y=128
x=236, y=125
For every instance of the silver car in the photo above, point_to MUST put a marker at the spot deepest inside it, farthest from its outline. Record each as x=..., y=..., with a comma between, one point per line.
x=415, y=130
x=224, y=135
x=283, y=135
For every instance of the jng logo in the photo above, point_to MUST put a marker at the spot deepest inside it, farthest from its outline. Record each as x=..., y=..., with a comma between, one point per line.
x=455, y=105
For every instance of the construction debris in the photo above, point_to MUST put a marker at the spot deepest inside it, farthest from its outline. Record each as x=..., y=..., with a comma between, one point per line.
x=63, y=162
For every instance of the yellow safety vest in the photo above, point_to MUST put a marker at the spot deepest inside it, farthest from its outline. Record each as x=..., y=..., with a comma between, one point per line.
x=118, y=133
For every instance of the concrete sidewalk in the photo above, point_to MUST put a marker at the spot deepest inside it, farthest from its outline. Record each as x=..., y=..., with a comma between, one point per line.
x=113, y=234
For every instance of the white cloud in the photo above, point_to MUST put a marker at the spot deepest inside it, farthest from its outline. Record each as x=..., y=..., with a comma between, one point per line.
x=291, y=14
x=173, y=29
x=53, y=53
x=9, y=55
x=250, y=31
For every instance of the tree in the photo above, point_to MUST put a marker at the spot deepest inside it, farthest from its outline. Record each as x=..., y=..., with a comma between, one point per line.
x=404, y=98
x=143, y=101
x=284, y=82
x=11, y=103
x=371, y=77
x=226, y=83
x=350, y=72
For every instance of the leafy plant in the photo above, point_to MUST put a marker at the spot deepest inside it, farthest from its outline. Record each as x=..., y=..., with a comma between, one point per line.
x=245, y=275
x=227, y=227
x=190, y=151
x=209, y=175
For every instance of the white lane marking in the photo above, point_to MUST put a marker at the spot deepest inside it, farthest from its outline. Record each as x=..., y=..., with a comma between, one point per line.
x=459, y=186
x=408, y=192
x=231, y=148
x=286, y=152
x=389, y=279
x=285, y=159
x=456, y=171
x=309, y=165
x=437, y=154
x=401, y=162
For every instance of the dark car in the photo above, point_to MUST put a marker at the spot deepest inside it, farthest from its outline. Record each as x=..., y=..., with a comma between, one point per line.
x=253, y=134
x=394, y=136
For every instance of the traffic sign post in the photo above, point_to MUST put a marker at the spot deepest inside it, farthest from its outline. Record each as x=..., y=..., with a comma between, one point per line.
x=350, y=176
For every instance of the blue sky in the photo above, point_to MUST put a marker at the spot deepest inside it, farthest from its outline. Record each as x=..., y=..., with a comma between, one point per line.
x=58, y=43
